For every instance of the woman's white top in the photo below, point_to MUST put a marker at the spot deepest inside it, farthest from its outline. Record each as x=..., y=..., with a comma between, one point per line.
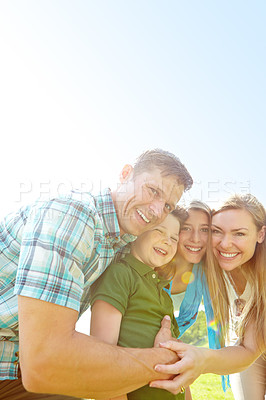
x=177, y=300
x=234, y=319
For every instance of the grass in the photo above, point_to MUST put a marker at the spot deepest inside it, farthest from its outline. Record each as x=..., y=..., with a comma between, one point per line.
x=208, y=387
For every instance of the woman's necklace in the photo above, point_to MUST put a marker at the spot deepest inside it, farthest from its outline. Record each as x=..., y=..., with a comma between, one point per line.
x=239, y=303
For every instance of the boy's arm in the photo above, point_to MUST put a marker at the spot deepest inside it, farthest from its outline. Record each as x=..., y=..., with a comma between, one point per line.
x=105, y=325
x=105, y=322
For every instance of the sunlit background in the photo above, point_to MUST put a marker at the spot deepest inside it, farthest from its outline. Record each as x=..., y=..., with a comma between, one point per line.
x=86, y=86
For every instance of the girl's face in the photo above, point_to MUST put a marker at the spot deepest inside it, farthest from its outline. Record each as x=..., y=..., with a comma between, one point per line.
x=234, y=238
x=158, y=246
x=193, y=237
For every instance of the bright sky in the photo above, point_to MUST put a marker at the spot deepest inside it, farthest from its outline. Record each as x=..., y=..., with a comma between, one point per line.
x=86, y=86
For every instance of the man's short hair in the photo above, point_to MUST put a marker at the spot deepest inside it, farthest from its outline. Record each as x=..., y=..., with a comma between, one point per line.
x=168, y=164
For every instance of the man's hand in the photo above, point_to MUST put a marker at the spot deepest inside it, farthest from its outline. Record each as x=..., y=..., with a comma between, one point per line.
x=164, y=334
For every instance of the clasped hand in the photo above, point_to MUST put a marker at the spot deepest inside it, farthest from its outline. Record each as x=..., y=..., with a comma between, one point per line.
x=184, y=371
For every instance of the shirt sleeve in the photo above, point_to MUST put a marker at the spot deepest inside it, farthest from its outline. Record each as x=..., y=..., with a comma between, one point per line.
x=57, y=240
x=114, y=287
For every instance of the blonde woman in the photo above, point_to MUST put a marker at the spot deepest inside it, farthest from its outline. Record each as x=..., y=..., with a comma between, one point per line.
x=237, y=280
x=237, y=284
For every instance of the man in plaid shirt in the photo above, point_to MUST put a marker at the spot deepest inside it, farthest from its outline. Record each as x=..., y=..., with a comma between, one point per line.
x=50, y=254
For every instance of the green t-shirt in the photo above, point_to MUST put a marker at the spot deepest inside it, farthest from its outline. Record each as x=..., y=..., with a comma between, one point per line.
x=137, y=291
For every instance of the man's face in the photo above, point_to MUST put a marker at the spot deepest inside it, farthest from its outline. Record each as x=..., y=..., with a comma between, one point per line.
x=145, y=200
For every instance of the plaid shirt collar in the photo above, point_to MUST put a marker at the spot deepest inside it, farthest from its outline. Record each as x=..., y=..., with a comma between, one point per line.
x=106, y=208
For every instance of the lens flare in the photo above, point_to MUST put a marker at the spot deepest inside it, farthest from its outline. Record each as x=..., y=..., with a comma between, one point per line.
x=187, y=277
x=214, y=325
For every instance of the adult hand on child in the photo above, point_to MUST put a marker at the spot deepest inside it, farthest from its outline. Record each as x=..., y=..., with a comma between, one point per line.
x=164, y=334
x=190, y=366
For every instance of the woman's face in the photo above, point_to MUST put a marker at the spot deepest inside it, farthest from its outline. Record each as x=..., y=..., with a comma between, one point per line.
x=234, y=238
x=193, y=237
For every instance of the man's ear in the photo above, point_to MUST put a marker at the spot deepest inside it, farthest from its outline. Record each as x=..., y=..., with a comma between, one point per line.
x=126, y=173
x=261, y=234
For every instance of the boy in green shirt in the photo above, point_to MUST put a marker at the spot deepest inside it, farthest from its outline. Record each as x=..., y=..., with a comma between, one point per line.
x=129, y=300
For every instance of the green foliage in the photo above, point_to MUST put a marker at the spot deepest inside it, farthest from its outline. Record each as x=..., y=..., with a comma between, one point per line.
x=208, y=387
x=197, y=333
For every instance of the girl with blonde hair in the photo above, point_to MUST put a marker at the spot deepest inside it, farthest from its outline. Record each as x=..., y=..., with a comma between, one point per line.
x=186, y=270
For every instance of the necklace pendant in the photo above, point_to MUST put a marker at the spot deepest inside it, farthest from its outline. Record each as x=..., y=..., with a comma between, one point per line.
x=239, y=305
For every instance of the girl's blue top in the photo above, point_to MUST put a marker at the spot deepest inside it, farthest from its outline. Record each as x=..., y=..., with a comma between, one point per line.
x=196, y=290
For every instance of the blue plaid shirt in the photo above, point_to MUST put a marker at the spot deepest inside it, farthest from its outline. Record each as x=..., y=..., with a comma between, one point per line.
x=53, y=251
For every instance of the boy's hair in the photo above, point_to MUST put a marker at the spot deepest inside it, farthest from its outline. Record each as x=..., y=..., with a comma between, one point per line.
x=168, y=164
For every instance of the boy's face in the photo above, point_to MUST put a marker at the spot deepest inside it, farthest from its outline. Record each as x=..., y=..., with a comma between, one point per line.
x=146, y=200
x=158, y=246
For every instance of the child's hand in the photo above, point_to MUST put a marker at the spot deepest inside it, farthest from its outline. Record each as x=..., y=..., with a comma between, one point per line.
x=164, y=333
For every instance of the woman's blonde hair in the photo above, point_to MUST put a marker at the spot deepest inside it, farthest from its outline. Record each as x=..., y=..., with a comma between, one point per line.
x=169, y=271
x=254, y=271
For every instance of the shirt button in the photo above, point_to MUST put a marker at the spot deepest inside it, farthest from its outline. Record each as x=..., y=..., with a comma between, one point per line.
x=154, y=276
x=16, y=361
